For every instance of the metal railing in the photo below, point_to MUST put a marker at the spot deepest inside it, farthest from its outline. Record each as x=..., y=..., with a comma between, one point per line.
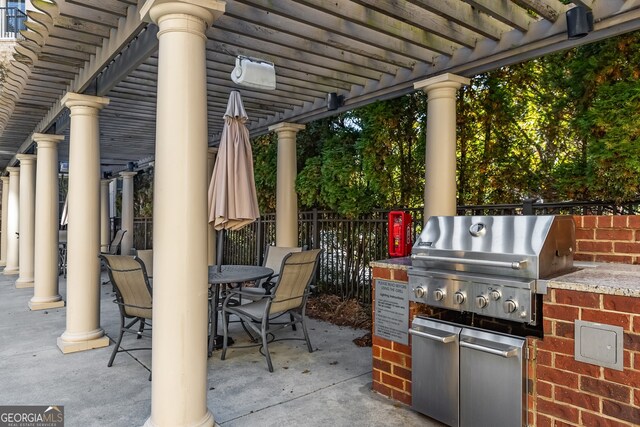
x=349, y=245
x=12, y=21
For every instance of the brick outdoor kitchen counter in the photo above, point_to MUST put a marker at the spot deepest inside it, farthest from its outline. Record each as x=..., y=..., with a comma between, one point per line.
x=562, y=391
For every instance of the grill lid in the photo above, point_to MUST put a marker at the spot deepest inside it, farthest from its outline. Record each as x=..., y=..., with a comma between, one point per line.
x=532, y=247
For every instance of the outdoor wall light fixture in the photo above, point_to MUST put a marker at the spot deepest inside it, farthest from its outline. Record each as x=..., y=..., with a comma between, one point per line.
x=579, y=22
x=334, y=101
x=255, y=73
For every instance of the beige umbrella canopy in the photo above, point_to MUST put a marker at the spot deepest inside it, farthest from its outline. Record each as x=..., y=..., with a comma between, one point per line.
x=233, y=202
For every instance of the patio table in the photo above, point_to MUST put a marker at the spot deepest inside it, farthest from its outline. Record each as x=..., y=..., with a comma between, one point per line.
x=229, y=275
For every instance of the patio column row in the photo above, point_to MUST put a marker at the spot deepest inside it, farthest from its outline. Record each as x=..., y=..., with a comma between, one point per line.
x=5, y=211
x=286, y=197
x=179, y=346
x=13, y=220
x=27, y=219
x=440, y=155
x=127, y=212
x=83, y=329
x=45, y=292
x=105, y=227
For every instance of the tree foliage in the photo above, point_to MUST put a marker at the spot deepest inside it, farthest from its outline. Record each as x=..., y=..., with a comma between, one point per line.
x=561, y=127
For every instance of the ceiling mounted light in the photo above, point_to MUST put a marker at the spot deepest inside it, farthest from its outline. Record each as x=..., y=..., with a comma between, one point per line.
x=579, y=22
x=254, y=73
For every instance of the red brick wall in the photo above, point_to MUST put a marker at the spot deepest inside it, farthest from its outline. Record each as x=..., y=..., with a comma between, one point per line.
x=607, y=238
x=563, y=392
x=567, y=392
x=392, y=360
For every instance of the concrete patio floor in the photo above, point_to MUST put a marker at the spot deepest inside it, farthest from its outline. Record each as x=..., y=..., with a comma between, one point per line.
x=331, y=386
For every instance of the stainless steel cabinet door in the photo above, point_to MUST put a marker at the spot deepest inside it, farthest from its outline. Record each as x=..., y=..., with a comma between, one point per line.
x=435, y=370
x=492, y=384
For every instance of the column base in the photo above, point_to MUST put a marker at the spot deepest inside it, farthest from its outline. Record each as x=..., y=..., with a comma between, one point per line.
x=3, y=263
x=10, y=271
x=75, y=346
x=42, y=305
x=24, y=283
x=207, y=421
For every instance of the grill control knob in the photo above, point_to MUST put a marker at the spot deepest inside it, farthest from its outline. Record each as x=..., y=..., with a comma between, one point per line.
x=438, y=294
x=419, y=291
x=495, y=295
x=510, y=306
x=459, y=297
x=482, y=301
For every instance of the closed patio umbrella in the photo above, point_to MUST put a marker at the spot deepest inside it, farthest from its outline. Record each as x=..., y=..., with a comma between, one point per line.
x=64, y=220
x=233, y=202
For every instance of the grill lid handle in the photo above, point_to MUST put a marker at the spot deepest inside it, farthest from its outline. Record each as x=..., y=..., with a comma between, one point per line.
x=516, y=265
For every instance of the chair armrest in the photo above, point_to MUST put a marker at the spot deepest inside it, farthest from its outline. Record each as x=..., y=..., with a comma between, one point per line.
x=270, y=282
x=234, y=292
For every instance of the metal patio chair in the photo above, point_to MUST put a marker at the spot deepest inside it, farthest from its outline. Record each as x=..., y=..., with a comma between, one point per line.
x=133, y=296
x=146, y=256
x=273, y=257
x=114, y=246
x=288, y=296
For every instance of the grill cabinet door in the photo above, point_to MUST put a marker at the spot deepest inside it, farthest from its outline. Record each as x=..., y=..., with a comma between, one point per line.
x=435, y=370
x=492, y=381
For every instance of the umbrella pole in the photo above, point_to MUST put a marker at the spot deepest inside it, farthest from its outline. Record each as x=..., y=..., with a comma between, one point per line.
x=219, y=254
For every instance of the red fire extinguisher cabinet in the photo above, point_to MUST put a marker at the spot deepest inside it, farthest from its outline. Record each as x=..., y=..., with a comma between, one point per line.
x=399, y=233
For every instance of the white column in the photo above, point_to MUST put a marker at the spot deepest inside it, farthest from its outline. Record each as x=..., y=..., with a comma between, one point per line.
x=286, y=197
x=83, y=330
x=211, y=232
x=26, y=241
x=179, y=386
x=45, y=291
x=105, y=226
x=13, y=220
x=113, y=192
x=127, y=212
x=3, y=230
x=440, y=156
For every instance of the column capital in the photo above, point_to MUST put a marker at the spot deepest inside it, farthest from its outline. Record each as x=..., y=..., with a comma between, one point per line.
x=212, y=152
x=13, y=170
x=207, y=10
x=105, y=181
x=286, y=127
x=47, y=140
x=26, y=159
x=128, y=174
x=5, y=179
x=72, y=99
x=446, y=80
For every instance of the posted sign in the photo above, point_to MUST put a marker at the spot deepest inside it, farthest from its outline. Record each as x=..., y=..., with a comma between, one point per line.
x=392, y=311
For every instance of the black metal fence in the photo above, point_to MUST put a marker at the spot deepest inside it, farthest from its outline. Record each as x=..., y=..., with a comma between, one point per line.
x=349, y=245
x=12, y=21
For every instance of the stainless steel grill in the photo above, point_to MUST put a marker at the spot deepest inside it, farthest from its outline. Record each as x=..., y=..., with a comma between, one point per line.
x=490, y=265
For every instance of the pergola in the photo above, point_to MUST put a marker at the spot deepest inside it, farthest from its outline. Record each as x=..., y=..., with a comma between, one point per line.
x=101, y=83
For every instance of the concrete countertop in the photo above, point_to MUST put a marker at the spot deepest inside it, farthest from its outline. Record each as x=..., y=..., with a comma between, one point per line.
x=601, y=278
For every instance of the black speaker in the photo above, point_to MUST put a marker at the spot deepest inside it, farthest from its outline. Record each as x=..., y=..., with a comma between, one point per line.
x=334, y=101
x=579, y=22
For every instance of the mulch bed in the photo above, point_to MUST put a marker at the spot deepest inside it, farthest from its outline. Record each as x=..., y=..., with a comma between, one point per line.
x=348, y=312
